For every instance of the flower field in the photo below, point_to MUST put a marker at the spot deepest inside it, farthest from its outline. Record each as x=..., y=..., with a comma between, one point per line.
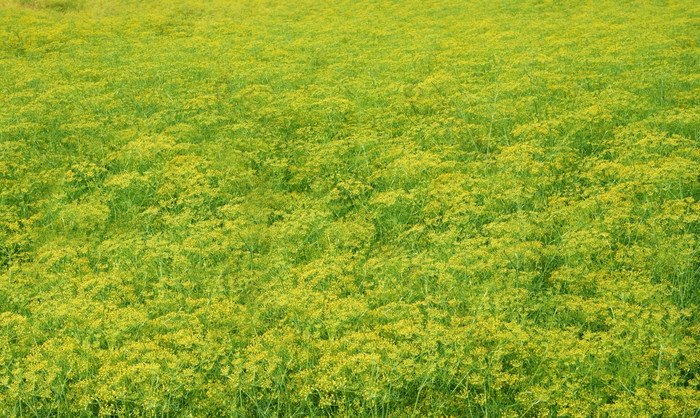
x=349, y=208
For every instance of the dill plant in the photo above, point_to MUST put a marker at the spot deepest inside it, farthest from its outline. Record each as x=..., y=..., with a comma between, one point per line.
x=349, y=208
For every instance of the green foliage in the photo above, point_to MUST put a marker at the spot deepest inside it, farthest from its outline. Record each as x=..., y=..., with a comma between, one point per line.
x=349, y=208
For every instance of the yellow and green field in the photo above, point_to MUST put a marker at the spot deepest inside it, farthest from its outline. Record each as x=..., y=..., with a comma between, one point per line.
x=349, y=208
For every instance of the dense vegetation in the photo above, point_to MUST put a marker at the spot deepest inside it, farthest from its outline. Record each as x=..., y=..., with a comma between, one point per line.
x=214, y=207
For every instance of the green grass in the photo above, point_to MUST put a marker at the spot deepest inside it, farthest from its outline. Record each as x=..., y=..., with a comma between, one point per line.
x=371, y=208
